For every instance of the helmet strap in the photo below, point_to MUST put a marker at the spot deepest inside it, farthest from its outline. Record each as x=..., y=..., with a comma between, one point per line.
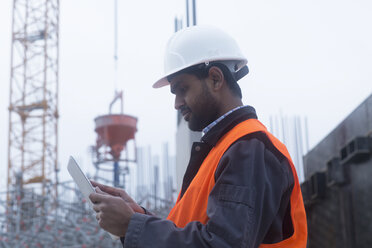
x=241, y=73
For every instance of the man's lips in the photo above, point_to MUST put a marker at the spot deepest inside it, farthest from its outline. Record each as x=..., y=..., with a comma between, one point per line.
x=186, y=114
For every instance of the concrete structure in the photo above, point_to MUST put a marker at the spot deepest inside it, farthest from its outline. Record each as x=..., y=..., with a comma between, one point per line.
x=358, y=123
x=337, y=190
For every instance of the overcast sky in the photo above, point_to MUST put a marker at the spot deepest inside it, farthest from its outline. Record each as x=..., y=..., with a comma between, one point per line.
x=307, y=58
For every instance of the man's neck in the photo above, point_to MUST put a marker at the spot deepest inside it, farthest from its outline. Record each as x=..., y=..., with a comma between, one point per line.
x=230, y=105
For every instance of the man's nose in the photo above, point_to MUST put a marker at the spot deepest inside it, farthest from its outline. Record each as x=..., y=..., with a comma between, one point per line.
x=178, y=102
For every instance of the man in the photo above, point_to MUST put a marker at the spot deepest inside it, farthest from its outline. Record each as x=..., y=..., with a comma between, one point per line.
x=240, y=188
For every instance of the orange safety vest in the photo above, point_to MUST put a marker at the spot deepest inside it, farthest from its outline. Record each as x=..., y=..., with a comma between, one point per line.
x=193, y=204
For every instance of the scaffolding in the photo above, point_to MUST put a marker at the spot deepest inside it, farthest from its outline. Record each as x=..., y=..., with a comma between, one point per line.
x=71, y=223
x=31, y=219
x=37, y=210
x=33, y=106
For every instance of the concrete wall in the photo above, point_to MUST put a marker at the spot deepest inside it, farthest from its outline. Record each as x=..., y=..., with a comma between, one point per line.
x=358, y=123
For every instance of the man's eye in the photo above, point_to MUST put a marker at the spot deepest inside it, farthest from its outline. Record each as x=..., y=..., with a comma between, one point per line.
x=182, y=90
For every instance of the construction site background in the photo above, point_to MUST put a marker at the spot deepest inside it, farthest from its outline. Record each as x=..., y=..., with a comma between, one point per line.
x=311, y=58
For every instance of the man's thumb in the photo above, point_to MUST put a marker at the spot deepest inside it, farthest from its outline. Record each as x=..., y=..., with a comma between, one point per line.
x=98, y=190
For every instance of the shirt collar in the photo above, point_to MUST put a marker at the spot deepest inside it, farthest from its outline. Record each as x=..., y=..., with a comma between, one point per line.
x=226, y=124
x=207, y=128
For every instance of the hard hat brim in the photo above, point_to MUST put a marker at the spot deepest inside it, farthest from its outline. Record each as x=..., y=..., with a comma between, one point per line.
x=160, y=83
x=164, y=81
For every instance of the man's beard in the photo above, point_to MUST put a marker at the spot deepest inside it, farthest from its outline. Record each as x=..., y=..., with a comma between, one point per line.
x=205, y=110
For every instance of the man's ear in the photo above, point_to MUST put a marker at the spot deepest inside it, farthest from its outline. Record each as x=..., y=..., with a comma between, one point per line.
x=215, y=74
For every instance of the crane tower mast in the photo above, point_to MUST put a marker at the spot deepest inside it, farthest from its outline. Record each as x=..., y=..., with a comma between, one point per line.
x=33, y=101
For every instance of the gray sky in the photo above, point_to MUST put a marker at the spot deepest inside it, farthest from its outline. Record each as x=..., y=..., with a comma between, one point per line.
x=307, y=58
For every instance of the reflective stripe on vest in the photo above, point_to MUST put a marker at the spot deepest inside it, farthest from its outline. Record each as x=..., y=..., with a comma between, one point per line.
x=193, y=204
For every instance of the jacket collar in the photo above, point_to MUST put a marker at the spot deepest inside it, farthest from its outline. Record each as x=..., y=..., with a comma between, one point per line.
x=226, y=124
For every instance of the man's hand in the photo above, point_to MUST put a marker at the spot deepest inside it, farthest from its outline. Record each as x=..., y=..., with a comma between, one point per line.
x=112, y=212
x=120, y=193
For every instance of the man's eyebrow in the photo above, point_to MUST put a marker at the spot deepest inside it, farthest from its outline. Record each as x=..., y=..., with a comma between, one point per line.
x=174, y=86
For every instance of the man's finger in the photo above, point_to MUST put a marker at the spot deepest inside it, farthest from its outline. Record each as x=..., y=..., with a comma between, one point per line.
x=98, y=190
x=96, y=197
x=96, y=208
x=95, y=184
x=105, y=188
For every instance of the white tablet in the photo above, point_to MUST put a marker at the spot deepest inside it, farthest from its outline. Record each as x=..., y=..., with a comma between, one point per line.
x=82, y=182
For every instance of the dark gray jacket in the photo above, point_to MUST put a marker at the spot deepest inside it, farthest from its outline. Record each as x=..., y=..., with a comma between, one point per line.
x=249, y=204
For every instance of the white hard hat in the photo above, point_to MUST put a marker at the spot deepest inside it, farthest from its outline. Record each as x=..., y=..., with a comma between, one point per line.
x=199, y=44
